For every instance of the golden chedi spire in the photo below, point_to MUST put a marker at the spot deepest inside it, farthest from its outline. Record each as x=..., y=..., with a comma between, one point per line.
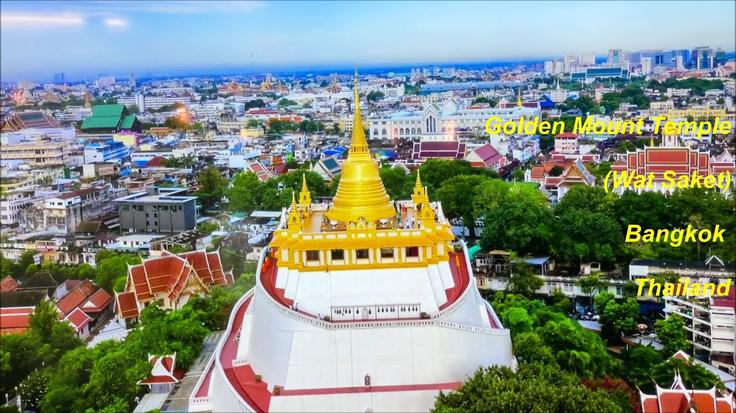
x=295, y=218
x=360, y=192
x=420, y=192
x=305, y=198
x=519, y=102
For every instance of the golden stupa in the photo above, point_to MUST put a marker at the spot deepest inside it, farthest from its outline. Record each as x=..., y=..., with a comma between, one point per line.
x=360, y=192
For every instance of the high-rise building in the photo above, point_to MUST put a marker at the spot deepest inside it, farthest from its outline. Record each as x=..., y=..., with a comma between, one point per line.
x=570, y=63
x=646, y=65
x=703, y=57
x=679, y=62
x=549, y=67
x=616, y=57
x=132, y=80
x=360, y=304
x=105, y=81
x=59, y=77
x=587, y=59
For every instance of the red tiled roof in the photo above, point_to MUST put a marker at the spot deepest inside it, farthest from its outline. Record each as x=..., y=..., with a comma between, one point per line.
x=15, y=319
x=169, y=273
x=8, y=284
x=97, y=301
x=78, y=319
x=71, y=300
x=163, y=370
x=127, y=306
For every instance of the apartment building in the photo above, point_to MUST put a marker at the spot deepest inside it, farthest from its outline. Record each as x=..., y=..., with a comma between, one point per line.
x=37, y=148
x=158, y=210
x=64, y=213
x=711, y=326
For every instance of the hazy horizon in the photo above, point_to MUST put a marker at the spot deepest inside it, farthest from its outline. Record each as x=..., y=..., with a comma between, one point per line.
x=84, y=39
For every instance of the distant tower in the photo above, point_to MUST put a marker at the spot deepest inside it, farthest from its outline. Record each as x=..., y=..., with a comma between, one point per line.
x=132, y=80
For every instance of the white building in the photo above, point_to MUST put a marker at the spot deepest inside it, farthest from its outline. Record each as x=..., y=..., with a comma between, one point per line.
x=710, y=323
x=441, y=123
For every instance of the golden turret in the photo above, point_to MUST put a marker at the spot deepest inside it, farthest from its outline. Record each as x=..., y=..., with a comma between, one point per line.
x=361, y=192
x=420, y=192
x=305, y=198
x=519, y=102
x=295, y=218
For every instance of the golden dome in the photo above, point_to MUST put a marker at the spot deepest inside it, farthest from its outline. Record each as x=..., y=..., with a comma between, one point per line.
x=360, y=192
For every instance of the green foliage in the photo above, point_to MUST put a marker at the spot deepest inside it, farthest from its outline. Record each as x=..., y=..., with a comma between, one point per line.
x=398, y=184
x=113, y=270
x=630, y=94
x=543, y=333
x=618, y=318
x=482, y=99
x=517, y=217
x=311, y=126
x=454, y=194
x=534, y=388
x=33, y=389
x=43, y=318
x=593, y=284
x=523, y=281
x=208, y=227
x=283, y=103
x=212, y=187
x=672, y=334
x=82, y=379
x=374, y=95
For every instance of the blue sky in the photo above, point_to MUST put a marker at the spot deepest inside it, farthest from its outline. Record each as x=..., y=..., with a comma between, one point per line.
x=116, y=37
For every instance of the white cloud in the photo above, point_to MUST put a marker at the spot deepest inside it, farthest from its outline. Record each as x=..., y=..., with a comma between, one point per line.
x=115, y=22
x=29, y=20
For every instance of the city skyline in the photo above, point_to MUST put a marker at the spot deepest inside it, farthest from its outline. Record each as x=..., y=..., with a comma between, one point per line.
x=83, y=39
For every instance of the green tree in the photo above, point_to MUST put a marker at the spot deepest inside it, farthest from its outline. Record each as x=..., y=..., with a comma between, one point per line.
x=454, y=194
x=523, y=281
x=534, y=388
x=520, y=220
x=671, y=333
x=33, y=389
x=593, y=284
x=114, y=270
x=374, y=95
x=42, y=319
x=243, y=194
x=212, y=187
x=398, y=184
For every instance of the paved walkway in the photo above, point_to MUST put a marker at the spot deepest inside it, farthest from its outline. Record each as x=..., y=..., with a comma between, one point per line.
x=178, y=400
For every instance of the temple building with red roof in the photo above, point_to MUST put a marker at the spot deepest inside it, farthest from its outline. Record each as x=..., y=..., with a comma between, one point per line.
x=679, y=399
x=556, y=185
x=171, y=280
x=164, y=374
x=683, y=161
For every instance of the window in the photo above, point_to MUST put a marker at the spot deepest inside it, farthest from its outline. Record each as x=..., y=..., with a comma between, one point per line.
x=387, y=253
x=313, y=255
x=412, y=252
x=361, y=254
x=337, y=255
x=125, y=207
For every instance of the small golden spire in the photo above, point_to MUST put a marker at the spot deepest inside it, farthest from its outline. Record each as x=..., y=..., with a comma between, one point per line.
x=420, y=192
x=360, y=192
x=305, y=198
x=295, y=218
x=651, y=141
x=519, y=102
